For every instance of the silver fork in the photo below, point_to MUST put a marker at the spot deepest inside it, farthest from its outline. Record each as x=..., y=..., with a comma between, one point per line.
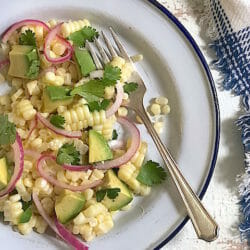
x=205, y=226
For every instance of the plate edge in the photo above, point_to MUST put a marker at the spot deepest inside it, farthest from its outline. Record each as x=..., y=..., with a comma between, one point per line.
x=203, y=61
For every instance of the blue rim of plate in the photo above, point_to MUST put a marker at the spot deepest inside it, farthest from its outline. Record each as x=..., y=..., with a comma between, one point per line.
x=198, y=52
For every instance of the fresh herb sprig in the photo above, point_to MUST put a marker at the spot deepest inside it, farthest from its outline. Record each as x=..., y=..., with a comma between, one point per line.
x=28, y=38
x=80, y=37
x=151, y=173
x=68, y=154
x=57, y=120
x=111, y=193
x=7, y=131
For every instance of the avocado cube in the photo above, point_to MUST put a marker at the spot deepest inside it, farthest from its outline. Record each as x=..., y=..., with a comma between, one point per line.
x=124, y=196
x=3, y=173
x=19, y=63
x=68, y=205
x=84, y=61
x=50, y=106
x=99, y=149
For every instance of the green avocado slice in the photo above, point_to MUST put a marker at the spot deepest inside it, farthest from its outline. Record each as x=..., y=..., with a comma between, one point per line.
x=124, y=196
x=99, y=149
x=24, y=61
x=68, y=205
x=3, y=173
x=84, y=61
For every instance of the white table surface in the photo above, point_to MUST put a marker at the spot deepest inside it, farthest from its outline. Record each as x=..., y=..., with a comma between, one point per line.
x=222, y=195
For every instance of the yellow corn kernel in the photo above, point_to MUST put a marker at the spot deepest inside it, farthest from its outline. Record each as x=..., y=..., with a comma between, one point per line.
x=165, y=109
x=109, y=92
x=33, y=88
x=158, y=126
x=73, y=26
x=118, y=62
x=58, y=49
x=155, y=109
x=94, y=210
x=26, y=109
x=161, y=100
x=80, y=219
x=52, y=23
x=16, y=95
x=137, y=58
x=122, y=111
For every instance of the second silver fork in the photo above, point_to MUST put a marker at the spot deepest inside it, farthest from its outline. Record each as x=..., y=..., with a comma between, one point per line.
x=205, y=226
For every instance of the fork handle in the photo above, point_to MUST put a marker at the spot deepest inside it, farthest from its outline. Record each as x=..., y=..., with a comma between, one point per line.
x=205, y=226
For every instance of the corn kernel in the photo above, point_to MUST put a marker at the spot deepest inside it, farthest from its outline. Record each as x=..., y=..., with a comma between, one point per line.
x=109, y=92
x=122, y=111
x=155, y=109
x=137, y=58
x=165, y=109
x=52, y=23
x=161, y=100
x=158, y=126
x=58, y=49
x=33, y=88
x=50, y=76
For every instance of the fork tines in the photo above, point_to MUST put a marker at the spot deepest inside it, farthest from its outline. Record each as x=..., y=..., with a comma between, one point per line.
x=105, y=55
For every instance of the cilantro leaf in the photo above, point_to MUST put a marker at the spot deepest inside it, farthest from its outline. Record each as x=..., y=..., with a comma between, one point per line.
x=98, y=105
x=25, y=216
x=111, y=193
x=111, y=75
x=80, y=37
x=33, y=69
x=100, y=194
x=34, y=64
x=68, y=154
x=130, y=87
x=57, y=120
x=91, y=91
x=25, y=204
x=114, y=135
x=151, y=173
x=27, y=38
x=57, y=93
x=7, y=131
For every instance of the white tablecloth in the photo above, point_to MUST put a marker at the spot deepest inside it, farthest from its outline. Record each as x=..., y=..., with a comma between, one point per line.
x=221, y=197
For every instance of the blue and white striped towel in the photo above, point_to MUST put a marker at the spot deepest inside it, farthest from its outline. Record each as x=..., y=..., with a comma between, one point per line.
x=230, y=28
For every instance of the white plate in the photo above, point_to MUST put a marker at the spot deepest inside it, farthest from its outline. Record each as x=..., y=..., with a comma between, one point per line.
x=173, y=66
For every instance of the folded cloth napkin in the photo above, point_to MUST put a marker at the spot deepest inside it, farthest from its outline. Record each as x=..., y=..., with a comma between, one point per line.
x=229, y=27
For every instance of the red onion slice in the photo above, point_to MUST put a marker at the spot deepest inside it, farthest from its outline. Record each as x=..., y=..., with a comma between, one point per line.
x=4, y=63
x=18, y=25
x=135, y=136
x=52, y=180
x=53, y=33
x=118, y=100
x=77, y=168
x=116, y=144
x=46, y=123
x=18, y=170
x=57, y=227
x=32, y=153
x=69, y=238
x=43, y=213
x=33, y=125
